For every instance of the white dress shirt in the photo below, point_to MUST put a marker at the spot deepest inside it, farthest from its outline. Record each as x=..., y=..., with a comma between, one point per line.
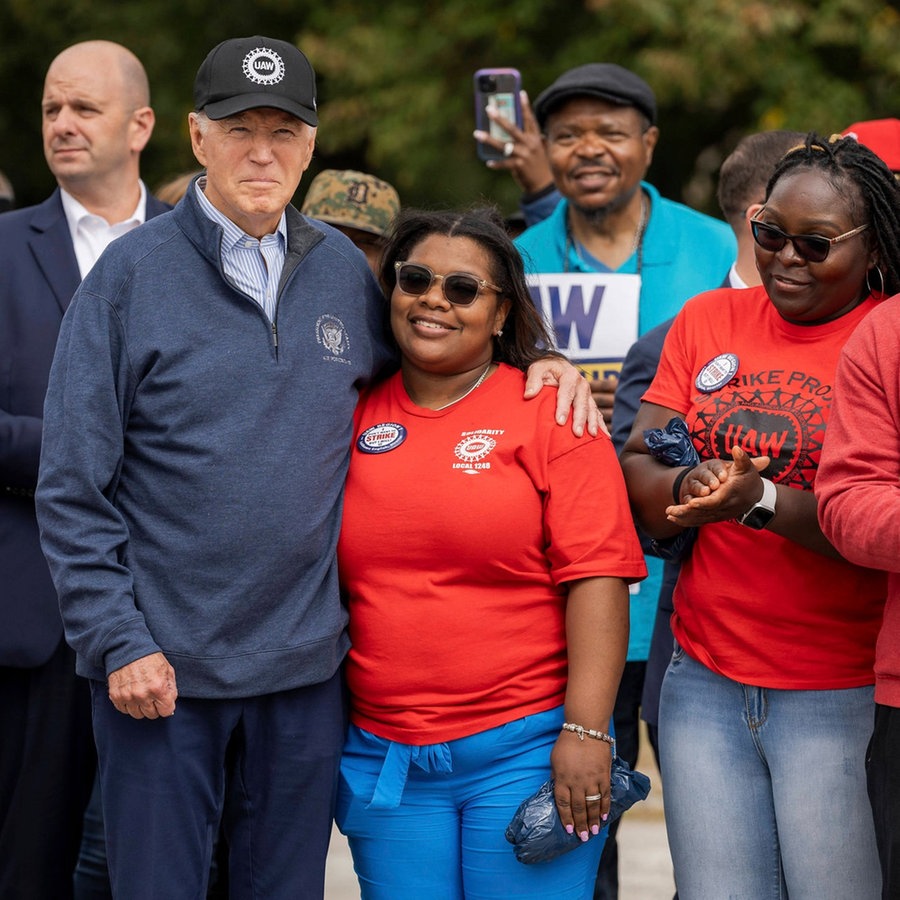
x=91, y=234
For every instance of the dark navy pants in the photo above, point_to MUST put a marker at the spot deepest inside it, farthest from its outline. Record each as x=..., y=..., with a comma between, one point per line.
x=883, y=772
x=266, y=767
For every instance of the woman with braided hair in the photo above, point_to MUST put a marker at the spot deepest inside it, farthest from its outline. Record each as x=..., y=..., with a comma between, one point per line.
x=767, y=703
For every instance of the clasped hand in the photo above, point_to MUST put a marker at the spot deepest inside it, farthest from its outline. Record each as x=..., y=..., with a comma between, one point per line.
x=718, y=490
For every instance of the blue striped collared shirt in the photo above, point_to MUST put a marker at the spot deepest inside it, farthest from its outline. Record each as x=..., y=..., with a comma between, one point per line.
x=252, y=266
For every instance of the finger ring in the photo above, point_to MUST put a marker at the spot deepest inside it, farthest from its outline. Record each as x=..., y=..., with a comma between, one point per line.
x=509, y=148
x=591, y=797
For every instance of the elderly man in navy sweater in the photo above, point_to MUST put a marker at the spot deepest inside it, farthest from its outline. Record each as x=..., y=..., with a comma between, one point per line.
x=198, y=424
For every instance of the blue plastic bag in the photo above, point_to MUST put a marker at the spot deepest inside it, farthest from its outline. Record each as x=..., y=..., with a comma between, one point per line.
x=673, y=446
x=537, y=834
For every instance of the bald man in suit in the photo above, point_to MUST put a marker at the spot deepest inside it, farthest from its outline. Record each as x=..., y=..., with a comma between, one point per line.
x=96, y=119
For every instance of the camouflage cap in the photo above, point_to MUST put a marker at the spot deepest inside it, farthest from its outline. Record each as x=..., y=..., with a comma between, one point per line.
x=353, y=200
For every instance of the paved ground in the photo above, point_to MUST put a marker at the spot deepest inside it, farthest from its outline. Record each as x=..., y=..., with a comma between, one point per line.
x=645, y=868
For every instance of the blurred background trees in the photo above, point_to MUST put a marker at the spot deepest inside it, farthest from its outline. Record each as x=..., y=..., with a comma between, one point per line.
x=395, y=76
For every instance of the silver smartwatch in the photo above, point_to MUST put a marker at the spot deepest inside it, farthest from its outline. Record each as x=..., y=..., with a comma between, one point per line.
x=761, y=513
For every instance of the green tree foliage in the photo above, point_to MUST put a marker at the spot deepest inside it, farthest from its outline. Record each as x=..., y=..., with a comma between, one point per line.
x=395, y=77
x=171, y=37
x=396, y=83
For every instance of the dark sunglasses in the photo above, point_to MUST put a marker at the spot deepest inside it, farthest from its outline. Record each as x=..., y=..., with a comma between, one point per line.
x=812, y=247
x=460, y=288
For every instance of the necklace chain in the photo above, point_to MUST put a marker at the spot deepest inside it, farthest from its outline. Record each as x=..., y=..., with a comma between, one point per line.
x=463, y=396
x=642, y=224
x=637, y=244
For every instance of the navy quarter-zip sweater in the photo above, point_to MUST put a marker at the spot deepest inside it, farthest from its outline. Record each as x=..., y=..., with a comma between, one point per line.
x=194, y=456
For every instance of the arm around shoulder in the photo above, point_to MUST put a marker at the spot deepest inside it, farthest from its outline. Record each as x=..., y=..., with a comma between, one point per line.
x=573, y=395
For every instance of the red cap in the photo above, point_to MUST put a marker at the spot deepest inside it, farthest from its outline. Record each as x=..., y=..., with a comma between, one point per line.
x=882, y=137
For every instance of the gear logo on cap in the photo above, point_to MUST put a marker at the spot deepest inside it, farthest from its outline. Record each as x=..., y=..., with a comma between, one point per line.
x=263, y=66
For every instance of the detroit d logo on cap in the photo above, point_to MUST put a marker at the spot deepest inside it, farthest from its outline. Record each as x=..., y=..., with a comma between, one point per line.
x=263, y=66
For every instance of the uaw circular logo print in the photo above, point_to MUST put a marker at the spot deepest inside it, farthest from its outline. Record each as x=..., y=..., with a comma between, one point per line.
x=781, y=420
x=717, y=372
x=263, y=66
x=474, y=447
x=381, y=438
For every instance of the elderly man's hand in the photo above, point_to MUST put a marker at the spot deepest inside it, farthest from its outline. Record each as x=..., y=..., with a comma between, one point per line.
x=574, y=393
x=145, y=688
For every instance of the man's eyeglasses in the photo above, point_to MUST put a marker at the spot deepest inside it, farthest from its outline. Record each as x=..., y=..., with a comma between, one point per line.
x=460, y=288
x=812, y=247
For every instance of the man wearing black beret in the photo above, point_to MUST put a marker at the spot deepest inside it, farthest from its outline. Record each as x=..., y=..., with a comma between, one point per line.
x=598, y=123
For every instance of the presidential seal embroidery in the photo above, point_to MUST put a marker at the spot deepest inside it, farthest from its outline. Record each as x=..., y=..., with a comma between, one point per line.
x=332, y=335
x=381, y=438
x=717, y=372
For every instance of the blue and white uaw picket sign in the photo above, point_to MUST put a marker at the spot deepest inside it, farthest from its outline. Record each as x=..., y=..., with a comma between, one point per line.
x=594, y=316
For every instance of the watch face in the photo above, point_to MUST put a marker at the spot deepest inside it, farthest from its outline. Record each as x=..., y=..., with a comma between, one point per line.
x=758, y=518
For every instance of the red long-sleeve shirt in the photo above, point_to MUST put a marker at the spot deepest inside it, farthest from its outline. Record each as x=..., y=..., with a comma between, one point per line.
x=858, y=484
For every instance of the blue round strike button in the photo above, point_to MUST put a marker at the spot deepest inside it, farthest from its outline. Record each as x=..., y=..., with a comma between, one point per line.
x=717, y=373
x=381, y=438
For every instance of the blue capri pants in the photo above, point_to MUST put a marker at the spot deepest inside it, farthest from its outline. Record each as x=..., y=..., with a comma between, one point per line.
x=430, y=821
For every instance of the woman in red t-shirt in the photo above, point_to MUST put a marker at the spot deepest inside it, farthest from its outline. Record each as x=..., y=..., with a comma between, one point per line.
x=767, y=704
x=485, y=556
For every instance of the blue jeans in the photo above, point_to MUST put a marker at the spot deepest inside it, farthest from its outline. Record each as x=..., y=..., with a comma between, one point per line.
x=444, y=839
x=765, y=790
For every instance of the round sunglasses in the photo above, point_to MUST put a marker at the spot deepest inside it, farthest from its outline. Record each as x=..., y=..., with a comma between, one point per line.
x=459, y=288
x=812, y=247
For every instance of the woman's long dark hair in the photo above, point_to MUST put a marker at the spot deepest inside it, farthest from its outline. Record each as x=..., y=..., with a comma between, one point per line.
x=525, y=337
x=844, y=158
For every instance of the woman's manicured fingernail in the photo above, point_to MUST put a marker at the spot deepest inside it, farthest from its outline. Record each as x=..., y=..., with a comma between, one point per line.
x=570, y=829
x=605, y=816
x=584, y=835
x=595, y=829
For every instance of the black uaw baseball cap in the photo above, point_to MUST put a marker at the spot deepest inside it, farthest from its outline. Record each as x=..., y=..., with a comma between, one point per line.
x=247, y=73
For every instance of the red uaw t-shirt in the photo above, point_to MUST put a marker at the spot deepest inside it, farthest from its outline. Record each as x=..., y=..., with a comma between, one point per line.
x=751, y=605
x=461, y=527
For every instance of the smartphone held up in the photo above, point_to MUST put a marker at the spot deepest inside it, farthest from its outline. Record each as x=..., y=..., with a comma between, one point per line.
x=496, y=89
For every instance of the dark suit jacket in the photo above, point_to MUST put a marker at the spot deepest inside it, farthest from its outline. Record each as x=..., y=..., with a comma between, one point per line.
x=38, y=276
x=637, y=374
